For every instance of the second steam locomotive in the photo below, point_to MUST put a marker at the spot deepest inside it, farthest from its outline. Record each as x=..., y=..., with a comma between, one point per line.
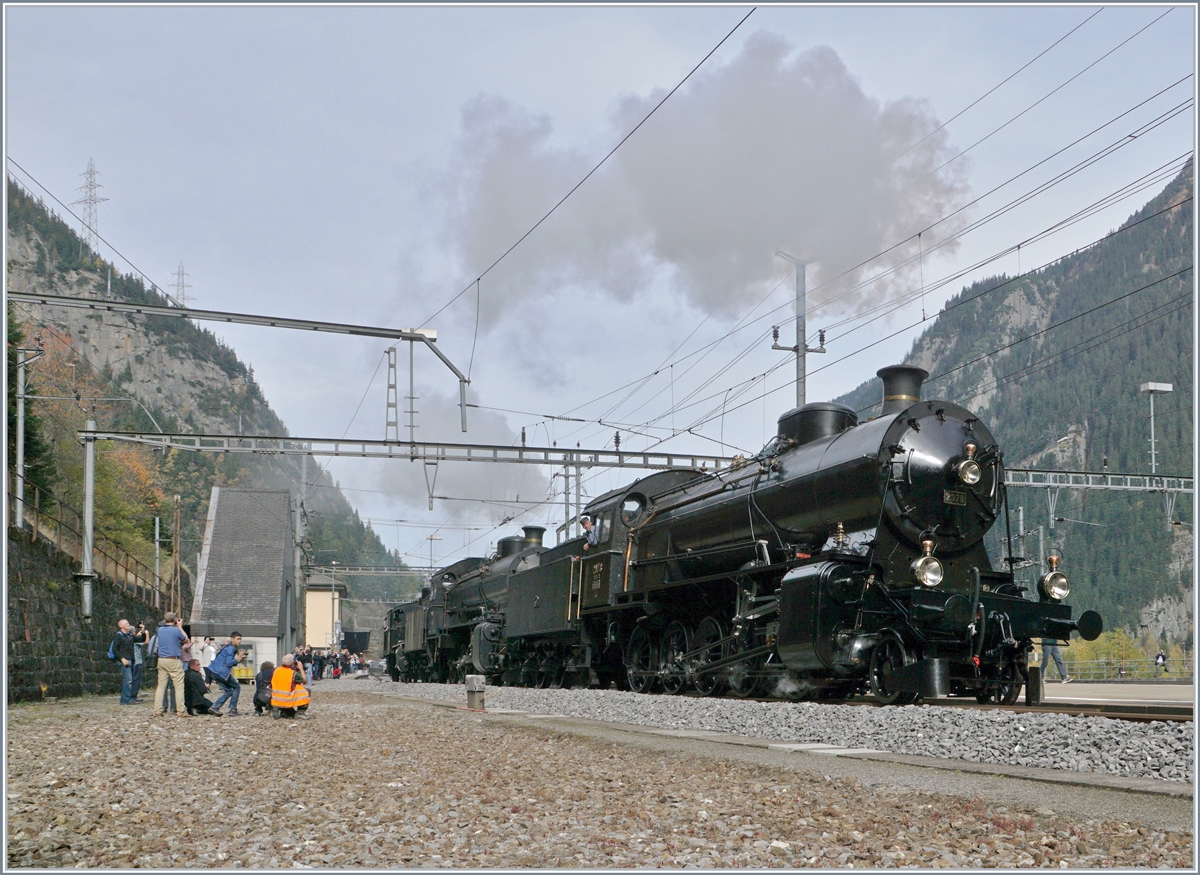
x=844, y=558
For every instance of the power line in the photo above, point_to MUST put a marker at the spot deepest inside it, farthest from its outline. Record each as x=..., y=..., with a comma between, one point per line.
x=114, y=249
x=594, y=169
x=1040, y=189
x=749, y=382
x=996, y=87
x=1036, y=102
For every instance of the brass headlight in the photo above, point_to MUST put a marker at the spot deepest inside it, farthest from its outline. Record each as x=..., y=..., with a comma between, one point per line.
x=927, y=570
x=1054, y=585
x=969, y=471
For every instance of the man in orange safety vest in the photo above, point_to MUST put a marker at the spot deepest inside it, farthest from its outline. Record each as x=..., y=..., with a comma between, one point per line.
x=289, y=696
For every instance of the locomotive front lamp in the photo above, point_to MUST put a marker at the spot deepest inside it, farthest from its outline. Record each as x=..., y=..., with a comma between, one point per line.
x=928, y=569
x=969, y=471
x=1054, y=585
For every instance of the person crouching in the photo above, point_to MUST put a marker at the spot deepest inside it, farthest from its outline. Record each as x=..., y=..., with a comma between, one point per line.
x=262, y=688
x=289, y=696
x=194, y=689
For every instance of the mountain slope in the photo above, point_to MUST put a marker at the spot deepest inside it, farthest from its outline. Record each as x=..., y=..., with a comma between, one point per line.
x=181, y=378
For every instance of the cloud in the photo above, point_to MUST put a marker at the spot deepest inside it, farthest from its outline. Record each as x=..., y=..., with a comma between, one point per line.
x=773, y=150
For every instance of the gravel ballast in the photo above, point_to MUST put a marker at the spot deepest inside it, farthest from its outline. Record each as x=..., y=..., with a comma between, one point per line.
x=375, y=781
x=1049, y=741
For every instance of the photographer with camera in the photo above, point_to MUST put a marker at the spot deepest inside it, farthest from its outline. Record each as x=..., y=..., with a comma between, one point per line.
x=222, y=671
x=141, y=638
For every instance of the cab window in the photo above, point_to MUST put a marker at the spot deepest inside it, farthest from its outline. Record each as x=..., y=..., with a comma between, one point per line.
x=604, y=525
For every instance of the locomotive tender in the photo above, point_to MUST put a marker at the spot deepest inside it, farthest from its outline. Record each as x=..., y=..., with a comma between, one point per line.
x=844, y=558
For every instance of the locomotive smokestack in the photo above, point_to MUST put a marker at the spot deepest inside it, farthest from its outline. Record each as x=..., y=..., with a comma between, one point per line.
x=533, y=536
x=901, y=387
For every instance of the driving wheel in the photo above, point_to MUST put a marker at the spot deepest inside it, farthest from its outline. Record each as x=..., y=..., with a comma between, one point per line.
x=708, y=637
x=673, y=646
x=887, y=659
x=640, y=663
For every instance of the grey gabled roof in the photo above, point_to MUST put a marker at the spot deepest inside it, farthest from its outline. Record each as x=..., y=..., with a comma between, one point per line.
x=246, y=559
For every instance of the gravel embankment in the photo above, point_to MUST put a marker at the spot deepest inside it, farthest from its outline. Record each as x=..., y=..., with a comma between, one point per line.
x=376, y=782
x=1050, y=741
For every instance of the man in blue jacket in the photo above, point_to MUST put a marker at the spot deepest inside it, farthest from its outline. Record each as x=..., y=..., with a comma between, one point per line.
x=122, y=649
x=222, y=671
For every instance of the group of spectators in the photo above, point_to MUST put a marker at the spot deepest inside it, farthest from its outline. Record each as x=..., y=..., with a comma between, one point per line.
x=280, y=691
x=319, y=664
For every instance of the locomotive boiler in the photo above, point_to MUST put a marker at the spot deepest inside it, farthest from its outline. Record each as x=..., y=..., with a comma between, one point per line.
x=843, y=558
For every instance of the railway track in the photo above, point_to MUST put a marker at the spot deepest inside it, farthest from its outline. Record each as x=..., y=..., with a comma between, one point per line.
x=1134, y=713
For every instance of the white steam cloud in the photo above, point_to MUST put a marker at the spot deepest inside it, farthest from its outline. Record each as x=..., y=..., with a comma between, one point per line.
x=773, y=150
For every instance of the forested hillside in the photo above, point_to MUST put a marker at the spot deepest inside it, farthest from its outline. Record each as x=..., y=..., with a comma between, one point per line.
x=149, y=374
x=1052, y=360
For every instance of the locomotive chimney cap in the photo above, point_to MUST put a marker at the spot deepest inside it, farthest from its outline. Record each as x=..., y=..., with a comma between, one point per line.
x=901, y=386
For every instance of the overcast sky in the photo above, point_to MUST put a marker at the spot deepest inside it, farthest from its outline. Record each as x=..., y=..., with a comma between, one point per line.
x=366, y=164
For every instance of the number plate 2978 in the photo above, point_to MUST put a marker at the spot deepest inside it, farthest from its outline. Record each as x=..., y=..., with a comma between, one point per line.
x=956, y=498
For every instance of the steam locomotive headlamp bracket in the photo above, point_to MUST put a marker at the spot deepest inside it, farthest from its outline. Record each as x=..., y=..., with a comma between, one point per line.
x=927, y=570
x=969, y=471
x=1054, y=585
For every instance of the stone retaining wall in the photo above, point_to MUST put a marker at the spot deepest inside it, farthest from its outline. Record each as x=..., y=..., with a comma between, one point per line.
x=48, y=642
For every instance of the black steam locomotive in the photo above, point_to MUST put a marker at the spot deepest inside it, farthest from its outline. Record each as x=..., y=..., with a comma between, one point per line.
x=844, y=558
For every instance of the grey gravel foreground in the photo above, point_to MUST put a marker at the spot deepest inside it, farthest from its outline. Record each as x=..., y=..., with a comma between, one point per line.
x=374, y=781
x=1048, y=741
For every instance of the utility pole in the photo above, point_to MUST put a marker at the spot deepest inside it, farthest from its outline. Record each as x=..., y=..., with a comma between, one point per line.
x=89, y=201
x=391, y=428
x=157, y=577
x=176, y=593
x=86, y=574
x=801, y=347
x=23, y=359
x=431, y=539
x=1153, y=389
x=20, y=438
x=578, y=500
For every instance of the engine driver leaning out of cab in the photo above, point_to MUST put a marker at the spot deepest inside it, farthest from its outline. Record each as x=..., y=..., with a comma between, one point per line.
x=590, y=532
x=289, y=697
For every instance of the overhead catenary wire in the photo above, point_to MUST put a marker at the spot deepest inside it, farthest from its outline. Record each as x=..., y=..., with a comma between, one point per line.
x=750, y=381
x=603, y=160
x=1038, y=102
x=99, y=237
x=1040, y=189
x=997, y=87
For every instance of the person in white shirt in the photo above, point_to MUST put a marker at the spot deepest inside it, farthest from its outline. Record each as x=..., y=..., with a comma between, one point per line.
x=206, y=657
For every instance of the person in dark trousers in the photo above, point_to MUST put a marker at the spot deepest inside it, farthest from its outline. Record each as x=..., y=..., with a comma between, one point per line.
x=1050, y=649
x=122, y=648
x=262, y=689
x=222, y=671
x=1161, y=662
x=194, y=689
x=140, y=639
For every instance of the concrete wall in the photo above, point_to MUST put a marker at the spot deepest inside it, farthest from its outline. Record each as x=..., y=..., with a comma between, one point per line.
x=48, y=643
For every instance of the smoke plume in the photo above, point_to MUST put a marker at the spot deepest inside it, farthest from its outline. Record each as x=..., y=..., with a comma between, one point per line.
x=773, y=150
